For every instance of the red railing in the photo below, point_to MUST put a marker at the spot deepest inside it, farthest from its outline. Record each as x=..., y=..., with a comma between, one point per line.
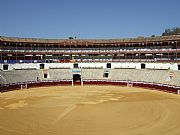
x=150, y=85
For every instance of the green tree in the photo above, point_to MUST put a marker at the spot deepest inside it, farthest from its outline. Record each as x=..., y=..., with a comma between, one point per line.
x=70, y=38
x=171, y=31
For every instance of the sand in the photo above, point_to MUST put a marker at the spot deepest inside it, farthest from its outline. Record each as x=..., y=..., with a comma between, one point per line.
x=89, y=110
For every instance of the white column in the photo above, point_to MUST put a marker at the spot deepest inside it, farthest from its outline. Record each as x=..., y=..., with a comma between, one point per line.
x=178, y=92
x=81, y=81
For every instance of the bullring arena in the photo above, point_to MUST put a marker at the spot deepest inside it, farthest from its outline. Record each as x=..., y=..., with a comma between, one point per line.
x=89, y=110
x=90, y=87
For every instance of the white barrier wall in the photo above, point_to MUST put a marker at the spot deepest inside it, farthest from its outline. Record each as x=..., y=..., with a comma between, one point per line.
x=58, y=65
x=173, y=66
x=1, y=66
x=24, y=66
x=21, y=66
x=126, y=65
x=92, y=65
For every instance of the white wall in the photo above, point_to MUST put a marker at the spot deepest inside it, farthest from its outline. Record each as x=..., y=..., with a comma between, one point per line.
x=162, y=66
x=21, y=66
x=173, y=66
x=1, y=66
x=125, y=65
x=25, y=66
x=58, y=65
x=92, y=65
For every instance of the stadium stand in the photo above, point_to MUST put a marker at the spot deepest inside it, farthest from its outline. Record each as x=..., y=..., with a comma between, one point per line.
x=152, y=62
x=19, y=76
x=92, y=73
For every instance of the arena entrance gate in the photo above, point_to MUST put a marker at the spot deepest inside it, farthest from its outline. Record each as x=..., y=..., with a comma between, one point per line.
x=77, y=79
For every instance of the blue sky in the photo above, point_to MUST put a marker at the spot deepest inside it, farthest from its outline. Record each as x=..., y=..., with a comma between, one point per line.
x=87, y=18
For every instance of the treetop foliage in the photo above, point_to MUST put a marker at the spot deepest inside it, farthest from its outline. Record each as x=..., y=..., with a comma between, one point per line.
x=171, y=31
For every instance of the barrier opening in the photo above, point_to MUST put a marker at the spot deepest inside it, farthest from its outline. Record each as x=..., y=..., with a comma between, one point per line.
x=143, y=66
x=41, y=66
x=77, y=79
x=178, y=67
x=5, y=67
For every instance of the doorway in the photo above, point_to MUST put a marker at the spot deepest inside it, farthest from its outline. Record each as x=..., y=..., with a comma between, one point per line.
x=143, y=66
x=76, y=78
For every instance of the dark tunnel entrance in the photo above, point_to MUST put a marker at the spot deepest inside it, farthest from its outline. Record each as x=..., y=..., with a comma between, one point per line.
x=76, y=78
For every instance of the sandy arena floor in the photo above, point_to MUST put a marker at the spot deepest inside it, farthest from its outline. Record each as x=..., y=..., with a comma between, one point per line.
x=89, y=110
